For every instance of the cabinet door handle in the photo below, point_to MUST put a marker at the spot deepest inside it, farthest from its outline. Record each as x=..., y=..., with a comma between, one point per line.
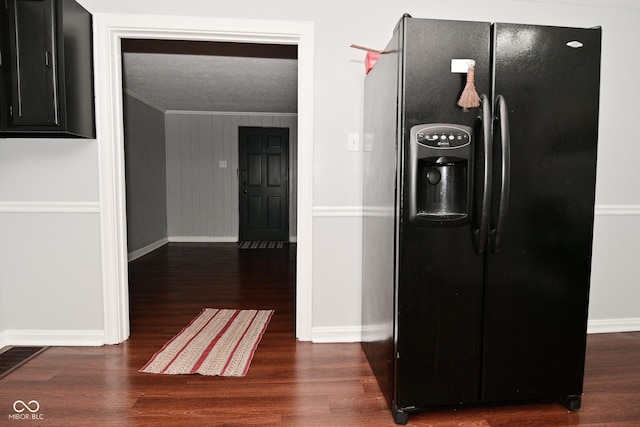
x=47, y=59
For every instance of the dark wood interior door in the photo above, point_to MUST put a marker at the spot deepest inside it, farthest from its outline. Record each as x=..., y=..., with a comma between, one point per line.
x=264, y=183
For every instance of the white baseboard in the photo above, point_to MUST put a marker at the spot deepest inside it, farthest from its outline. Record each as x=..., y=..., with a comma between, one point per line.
x=147, y=249
x=51, y=338
x=336, y=334
x=613, y=325
x=345, y=334
x=203, y=239
x=214, y=239
x=328, y=334
x=181, y=239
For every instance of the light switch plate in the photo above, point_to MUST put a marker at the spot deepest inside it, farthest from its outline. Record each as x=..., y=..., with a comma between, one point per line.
x=354, y=141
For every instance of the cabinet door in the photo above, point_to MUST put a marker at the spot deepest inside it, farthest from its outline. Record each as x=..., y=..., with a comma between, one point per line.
x=4, y=57
x=34, y=93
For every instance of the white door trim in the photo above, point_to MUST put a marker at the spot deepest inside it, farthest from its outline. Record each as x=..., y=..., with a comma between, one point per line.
x=109, y=29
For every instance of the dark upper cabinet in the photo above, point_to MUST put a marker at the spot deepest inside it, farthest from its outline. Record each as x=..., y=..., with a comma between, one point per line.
x=47, y=70
x=3, y=58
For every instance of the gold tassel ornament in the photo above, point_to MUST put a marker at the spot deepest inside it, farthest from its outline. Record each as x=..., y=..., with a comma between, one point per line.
x=469, y=98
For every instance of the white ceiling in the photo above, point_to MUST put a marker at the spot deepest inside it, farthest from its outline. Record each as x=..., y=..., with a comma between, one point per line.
x=194, y=82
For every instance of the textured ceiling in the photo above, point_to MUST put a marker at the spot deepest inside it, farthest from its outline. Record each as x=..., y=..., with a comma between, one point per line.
x=234, y=79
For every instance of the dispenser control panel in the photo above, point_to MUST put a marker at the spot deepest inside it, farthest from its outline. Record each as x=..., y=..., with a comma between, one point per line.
x=443, y=136
x=440, y=174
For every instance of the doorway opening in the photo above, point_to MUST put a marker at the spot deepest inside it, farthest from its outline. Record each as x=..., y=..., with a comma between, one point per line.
x=188, y=108
x=186, y=158
x=109, y=30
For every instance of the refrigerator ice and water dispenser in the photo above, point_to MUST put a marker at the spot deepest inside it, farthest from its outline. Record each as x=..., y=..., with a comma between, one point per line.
x=440, y=174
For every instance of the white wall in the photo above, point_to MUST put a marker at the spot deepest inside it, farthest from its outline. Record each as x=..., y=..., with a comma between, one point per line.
x=145, y=177
x=50, y=271
x=56, y=172
x=203, y=198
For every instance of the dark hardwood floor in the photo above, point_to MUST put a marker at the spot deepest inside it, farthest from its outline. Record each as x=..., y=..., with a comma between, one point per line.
x=289, y=382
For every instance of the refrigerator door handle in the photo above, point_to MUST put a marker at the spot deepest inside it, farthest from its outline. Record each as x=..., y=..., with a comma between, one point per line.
x=481, y=233
x=502, y=117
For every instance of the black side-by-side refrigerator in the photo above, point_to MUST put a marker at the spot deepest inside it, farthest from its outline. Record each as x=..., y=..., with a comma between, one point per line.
x=478, y=224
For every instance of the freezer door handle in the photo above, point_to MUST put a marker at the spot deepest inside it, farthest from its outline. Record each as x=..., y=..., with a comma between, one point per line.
x=502, y=117
x=482, y=231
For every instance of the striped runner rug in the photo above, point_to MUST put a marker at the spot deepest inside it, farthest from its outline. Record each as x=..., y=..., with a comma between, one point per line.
x=217, y=342
x=261, y=245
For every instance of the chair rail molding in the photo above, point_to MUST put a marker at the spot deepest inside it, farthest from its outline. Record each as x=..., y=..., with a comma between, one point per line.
x=49, y=207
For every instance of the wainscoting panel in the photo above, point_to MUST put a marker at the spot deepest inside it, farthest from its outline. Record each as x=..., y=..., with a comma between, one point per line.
x=613, y=305
x=202, y=170
x=51, y=276
x=337, y=273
